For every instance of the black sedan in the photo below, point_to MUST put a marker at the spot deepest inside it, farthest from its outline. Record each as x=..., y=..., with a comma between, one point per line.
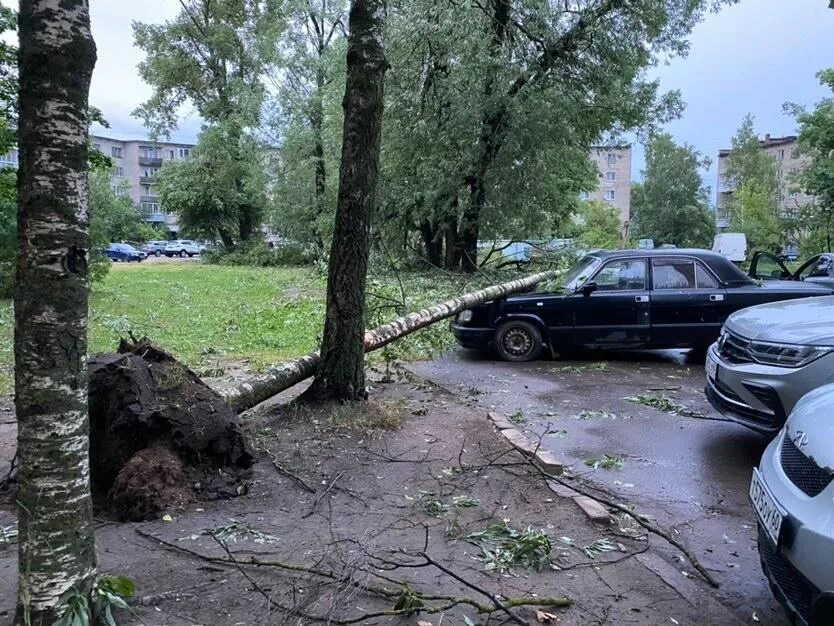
x=629, y=299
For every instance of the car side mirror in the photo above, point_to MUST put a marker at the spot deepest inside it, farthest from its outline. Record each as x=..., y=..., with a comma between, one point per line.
x=588, y=288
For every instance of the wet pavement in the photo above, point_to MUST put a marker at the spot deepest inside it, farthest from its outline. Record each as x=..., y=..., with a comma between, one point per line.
x=691, y=474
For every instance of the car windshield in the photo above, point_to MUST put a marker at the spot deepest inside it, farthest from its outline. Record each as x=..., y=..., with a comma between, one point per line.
x=580, y=272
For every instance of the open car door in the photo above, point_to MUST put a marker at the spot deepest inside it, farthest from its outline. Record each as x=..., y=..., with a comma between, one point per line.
x=818, y=269
x=767, y=266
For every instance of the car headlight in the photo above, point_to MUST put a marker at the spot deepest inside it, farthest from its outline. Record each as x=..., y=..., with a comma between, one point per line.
x=464, y=317
x=785, y=355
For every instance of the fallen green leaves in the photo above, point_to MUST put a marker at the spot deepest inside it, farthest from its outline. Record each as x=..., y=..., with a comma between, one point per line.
x=233, y=533
x=607, y=461
x=663, y=403
x=503, y=547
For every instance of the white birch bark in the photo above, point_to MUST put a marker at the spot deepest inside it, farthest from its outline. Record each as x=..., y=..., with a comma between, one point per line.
x=284, y=376
x=56, y=546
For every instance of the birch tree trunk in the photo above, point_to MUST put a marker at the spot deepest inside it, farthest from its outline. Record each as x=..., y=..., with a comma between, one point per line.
x=56, y=547
x=341, y=372
x=293, y=372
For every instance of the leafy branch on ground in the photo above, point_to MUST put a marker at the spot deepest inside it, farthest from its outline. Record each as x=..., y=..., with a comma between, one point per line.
x=607, y=461
x=503, y=547
x=664, y=403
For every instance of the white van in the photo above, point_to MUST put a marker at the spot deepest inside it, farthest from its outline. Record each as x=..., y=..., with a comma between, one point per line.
x=731, y=245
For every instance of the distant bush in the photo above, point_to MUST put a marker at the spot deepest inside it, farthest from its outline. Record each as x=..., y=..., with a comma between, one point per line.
x=259, y=254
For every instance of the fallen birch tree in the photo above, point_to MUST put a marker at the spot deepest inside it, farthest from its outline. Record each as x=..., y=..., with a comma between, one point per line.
x=284, y=376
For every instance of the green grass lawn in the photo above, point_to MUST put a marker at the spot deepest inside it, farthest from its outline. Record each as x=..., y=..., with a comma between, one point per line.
x=208, y=314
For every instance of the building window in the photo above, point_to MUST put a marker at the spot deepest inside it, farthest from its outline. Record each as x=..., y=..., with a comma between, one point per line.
x=116, y=151
x=151, y=208
x=781, y=155
x=779, y=173
x=149, y=153
x=120, y=172
x=584, y=195
x=793, y=194
x=150, y=172
x=610, y=176
x=170, y=154
x=795, y=153
x=9, y=160
x=184, y=153
x=609, y=195
x=612, y=158
x=97, y=146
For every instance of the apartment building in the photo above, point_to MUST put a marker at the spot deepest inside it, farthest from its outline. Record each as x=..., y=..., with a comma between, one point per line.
x=789, y=165
x=614, y=167
x=135, y=166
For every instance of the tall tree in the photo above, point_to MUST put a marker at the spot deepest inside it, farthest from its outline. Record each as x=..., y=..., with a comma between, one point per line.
x=816, y=143
x=305, y=67
x=671, y=204
x=341, y=372
x=56, y=549
x=753, y=208
x=215, y=54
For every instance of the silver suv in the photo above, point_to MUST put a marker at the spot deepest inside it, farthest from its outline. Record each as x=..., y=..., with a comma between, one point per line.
x=792, y=492
x=767, y=357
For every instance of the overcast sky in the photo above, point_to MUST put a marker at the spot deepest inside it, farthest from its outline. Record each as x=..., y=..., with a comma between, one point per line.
x=750, y=57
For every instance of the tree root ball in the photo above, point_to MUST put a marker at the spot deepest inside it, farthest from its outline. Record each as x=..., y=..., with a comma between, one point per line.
x=159, y=436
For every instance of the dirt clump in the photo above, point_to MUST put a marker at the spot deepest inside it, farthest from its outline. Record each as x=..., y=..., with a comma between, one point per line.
x=159, y=436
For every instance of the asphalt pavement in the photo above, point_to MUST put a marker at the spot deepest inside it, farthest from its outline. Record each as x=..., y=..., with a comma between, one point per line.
x=689, y=473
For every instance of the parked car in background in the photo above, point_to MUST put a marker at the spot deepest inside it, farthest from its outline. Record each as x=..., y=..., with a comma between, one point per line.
x=817, y=269
x=792, y=492
x=767, y=357
x=622, y=300
x=731, y=245
x=183, y=248
x=156, y=248
x=124, y=252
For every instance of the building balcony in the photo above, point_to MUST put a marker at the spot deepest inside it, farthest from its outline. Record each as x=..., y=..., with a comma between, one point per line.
x=149, y=199
x=147, y=162
x=147, y=180
x=156, y=218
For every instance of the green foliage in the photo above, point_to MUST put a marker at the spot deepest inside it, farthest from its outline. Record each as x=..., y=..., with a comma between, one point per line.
x=597, y=225
x=663, y=403
x=114, y=217
x=8, y=230
x=607, y=461
x=8, y=80
x=503, y=547
x=816, y=142
x=213, y=315
x=259, y=254
x=753, y=208
x=108, y=593
x=671, y=204
x=220, y=185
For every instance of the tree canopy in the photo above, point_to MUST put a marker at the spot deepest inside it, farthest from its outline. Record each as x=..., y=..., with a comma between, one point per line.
x=671, y=204
x=816, y=143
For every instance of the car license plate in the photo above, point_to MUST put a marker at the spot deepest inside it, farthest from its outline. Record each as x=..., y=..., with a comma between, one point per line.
x=712, y=368
x=770, y=514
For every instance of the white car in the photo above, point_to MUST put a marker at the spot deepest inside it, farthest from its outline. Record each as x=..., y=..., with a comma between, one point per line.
x=769, y=356
x=183, y=248
x=792, y=492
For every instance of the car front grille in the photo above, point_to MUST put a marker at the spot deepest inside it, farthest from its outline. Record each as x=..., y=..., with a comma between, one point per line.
x=802, y=471
x=798, y=590
x=735, y=349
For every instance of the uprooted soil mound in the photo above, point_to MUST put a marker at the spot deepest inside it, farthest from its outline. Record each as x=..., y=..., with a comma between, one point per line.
x=159, y=436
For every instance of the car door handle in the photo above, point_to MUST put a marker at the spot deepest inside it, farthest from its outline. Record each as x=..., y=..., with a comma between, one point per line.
x=641, y=298
x=716, y=297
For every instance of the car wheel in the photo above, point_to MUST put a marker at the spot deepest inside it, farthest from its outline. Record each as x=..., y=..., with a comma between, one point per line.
x=190, y=255
x=158, y=253
x=183, y=254
x=518, y=341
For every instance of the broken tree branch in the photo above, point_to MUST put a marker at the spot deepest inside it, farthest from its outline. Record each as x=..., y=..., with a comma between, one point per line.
x=284, y=376
x=643, y=521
